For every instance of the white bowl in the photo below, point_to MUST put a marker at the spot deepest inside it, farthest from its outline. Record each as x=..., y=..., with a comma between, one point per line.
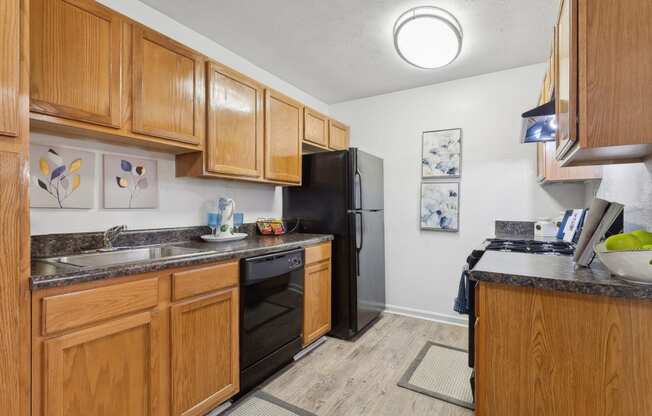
x=631, y=265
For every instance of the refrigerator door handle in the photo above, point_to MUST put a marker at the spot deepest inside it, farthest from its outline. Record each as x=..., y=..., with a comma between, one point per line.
x=359, y=247
x=358, y=176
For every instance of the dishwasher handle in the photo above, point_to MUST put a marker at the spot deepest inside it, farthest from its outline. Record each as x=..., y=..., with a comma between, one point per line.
x=269, y=266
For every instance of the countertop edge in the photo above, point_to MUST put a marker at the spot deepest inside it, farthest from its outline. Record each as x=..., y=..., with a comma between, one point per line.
x=629, y=291
x=40, y=282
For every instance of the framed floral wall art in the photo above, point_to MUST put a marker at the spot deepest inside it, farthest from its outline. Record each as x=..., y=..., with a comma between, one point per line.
x=440, y=206
x=61, y=177
x=130, y=182
x=441, y=154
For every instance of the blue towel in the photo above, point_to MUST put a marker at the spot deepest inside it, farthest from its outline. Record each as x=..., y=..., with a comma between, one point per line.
x=462, y=303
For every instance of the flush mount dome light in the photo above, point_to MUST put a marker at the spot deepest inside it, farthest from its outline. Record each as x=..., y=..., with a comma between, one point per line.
x=428, y=37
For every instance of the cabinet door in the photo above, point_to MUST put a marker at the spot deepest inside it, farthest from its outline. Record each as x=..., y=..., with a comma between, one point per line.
x=109, y=369
x=205, y=352
x=315, y=127
x=566, y=76
x=338, y=135
x=317, y=301
x=283, y=132
x=168, y=88
x=235, y=123
x=76, y=49
x=9, y=67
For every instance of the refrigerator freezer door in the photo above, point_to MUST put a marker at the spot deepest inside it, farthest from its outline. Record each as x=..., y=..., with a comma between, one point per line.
x=369, y=270
x=367, y=173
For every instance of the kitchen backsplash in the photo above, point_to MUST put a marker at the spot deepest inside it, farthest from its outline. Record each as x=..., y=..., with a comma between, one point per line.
x=630, y=185
x=183, y=202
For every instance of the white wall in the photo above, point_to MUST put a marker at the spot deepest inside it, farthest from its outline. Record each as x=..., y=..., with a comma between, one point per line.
x=182, y=201
x=498, y=177
x=631, y=185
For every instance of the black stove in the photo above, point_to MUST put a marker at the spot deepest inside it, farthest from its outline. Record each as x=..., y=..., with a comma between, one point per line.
x=560, y=248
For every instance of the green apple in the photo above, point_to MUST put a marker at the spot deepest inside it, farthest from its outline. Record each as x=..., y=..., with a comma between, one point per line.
x=643, y=235
x=647, y=246
x=622, y=242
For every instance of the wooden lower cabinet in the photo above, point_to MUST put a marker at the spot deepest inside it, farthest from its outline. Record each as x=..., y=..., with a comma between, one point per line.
x=317, y=293
x=108, y=369
x=205, y=352
x=544, y=352
x=138, y=355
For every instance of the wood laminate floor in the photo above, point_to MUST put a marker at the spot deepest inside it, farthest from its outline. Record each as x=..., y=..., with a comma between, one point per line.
x=359, y=378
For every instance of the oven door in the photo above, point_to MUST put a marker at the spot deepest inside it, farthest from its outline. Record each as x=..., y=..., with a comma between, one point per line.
x=271, y=315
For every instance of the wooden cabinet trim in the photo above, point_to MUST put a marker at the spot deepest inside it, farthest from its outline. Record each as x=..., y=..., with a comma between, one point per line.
x=206, y=279
x=212, y=148
x=318, y=136
x=70, y=310
x=177, y=310
x=270, y=164
x=10, y=68
x=113, y=72
x=53, y=364
x=317, y=253
x=141, y=34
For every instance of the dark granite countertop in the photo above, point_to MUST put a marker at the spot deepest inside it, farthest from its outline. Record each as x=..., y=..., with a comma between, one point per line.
x=46, y=275
x=554, y=273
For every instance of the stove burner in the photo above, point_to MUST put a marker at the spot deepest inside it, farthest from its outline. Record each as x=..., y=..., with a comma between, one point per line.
x=531, y=246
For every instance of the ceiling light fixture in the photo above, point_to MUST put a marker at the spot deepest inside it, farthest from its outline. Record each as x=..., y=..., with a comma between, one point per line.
x=428, y=37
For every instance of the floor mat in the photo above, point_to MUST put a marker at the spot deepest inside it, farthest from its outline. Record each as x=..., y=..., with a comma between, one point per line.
x=260, y=403
x=441, y=372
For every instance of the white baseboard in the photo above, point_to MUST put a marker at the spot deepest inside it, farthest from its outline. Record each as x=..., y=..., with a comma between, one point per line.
x=458, y=320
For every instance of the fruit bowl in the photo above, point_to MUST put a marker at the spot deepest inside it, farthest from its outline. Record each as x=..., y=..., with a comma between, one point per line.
x=630, y=265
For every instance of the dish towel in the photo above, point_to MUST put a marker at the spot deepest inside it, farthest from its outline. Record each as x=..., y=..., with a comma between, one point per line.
x=462, y=303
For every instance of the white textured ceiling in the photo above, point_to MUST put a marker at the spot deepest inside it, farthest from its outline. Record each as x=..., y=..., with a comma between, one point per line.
x=338, y=50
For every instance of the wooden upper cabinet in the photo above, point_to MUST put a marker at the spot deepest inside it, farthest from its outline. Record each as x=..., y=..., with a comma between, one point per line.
x=604, y=82
x=549, y=170
x=234, y=140
x=565, y=52
x=76, y=52
x=108, y=369
x=205, y=352
x=315, y=127
x=9, y=67
x=168, y=88
x=338, y=135
x=283, y=134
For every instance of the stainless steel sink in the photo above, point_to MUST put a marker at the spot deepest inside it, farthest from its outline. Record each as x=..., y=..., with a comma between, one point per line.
x=135, y=255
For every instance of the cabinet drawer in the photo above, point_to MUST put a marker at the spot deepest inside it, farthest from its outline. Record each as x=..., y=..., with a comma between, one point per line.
x=318, y=253
x=194, y=282
x=75, y=309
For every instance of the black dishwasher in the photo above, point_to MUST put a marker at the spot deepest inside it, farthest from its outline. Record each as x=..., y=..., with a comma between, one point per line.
x=271, y=314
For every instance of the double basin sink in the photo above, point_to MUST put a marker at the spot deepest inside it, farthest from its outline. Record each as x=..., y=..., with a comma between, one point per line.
x=126, y=256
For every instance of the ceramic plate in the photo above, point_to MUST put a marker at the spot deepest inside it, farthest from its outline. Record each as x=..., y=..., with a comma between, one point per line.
x=220, y=239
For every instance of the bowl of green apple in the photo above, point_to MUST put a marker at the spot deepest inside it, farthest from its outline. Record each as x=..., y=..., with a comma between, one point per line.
x=628, y=255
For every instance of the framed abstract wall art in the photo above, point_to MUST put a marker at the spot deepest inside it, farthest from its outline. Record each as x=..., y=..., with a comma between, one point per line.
x=440, y=206
x=130, y=182
x=61, y=177
x=441, y=154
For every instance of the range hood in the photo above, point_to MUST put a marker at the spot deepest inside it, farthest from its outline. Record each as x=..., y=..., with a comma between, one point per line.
x=540, y=123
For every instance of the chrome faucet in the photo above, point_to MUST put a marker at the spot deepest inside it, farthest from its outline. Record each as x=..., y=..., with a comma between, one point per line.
x=111, y=234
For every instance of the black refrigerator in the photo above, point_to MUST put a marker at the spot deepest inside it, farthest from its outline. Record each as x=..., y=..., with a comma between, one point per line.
x=342, y=194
